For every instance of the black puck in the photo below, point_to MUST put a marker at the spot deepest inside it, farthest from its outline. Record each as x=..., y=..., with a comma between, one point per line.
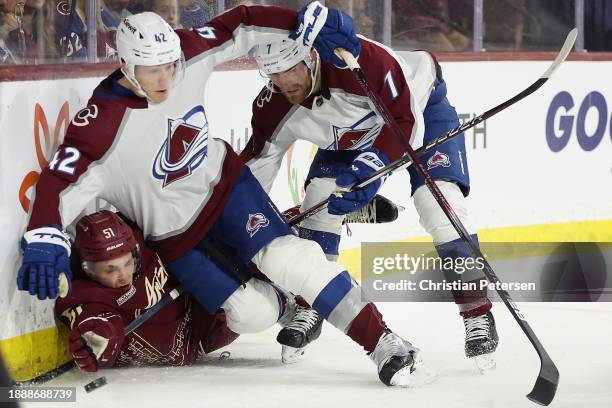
x=95, y=384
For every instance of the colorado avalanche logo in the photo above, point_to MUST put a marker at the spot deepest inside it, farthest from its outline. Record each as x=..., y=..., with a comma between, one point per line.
x=353, y=137
x=438, y=159
x=185, y=147
x=255, y=222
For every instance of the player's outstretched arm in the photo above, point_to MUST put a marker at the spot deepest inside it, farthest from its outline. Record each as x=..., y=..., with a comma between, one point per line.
x=232, y=34
x=63, y=190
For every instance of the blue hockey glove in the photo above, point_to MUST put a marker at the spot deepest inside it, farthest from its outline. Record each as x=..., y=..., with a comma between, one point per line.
x=326, y=29
x=362, y=167
x=46, y=253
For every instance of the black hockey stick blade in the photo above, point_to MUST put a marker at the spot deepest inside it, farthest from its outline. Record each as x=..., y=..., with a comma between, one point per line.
x=545, y=387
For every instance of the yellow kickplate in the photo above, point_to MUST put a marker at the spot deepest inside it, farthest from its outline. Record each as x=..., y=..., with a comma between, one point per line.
x=33, y=354
x=578, y=231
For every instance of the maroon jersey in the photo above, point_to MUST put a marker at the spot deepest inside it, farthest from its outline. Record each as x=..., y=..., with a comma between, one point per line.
x=172, y=336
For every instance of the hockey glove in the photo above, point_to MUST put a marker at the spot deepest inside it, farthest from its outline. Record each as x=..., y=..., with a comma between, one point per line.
x=326, y=29
x=362, y=167
x=96, y=341
x=46, y=253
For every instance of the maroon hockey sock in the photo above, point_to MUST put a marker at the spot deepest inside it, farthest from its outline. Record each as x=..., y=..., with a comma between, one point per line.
x=302, y=302
x=367, y=327
x=472, y=303
x=473, y=310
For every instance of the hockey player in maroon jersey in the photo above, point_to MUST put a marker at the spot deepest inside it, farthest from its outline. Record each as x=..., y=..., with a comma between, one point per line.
x=310, y=99
x=143, y=145
x=118, y=278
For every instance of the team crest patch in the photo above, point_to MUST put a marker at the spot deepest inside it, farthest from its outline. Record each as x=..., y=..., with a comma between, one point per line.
x=438, y=159
x=255, y=222
x=359, y=135
x=185, y=147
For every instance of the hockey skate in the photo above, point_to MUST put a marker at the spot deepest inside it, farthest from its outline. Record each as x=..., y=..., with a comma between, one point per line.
x=301, y=326
x=481, y=340
x=398, y=362
x=379, y=210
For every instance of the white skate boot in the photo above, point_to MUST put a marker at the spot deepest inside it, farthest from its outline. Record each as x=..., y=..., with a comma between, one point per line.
x=398, y=361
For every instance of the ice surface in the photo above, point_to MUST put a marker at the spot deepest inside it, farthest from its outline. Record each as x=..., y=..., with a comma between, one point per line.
x=336, y=373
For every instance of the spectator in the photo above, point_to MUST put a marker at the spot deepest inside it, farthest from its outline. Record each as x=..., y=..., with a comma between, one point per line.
x=113, y=11
x=427, y=24
x=166, y=9
x=598, y=25
x=504, y=21
x=6, y=56
x=548, y=23
x=27, y=31
x=194, y=13
x=364, y=23
x=43, y=23
x=71, y=32
x=12, y=17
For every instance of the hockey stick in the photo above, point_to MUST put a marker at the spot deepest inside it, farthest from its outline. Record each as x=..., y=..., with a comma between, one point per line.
x=406, y=159
x=173, y=294
x=546, y=384
x=168, y=297
x=64, y=368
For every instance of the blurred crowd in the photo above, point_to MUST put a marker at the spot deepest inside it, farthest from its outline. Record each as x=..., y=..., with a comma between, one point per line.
x=48, y=31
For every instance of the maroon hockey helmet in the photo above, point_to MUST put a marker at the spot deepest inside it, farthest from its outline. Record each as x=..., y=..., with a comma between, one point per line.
x=103, y=236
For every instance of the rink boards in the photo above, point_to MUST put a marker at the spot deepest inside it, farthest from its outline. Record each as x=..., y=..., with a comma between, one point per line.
x=540, y=171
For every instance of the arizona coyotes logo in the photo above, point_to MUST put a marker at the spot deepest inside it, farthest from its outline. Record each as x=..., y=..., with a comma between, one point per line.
x=438, y=159
x=355, y=137
x=255, y=222
x=155, y=286
x=185, y=147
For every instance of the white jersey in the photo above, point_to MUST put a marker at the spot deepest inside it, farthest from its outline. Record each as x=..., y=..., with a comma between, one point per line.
x=342, y=117
x=157, y=164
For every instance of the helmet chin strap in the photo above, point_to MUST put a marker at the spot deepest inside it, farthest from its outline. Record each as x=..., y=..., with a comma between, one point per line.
x=131, y=77
x=313, y=71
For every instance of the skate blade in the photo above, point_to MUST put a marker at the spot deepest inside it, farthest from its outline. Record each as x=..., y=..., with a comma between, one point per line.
x=419, y=377
x=415, y=376
x=291, y=355
x=422, y=376
x=485, y=362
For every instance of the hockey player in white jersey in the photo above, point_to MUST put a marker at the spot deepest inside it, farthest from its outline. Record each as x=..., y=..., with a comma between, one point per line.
x=143, y=145
x=323, y=103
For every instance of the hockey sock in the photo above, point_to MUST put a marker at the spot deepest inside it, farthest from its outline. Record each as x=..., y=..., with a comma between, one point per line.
x=470, y=302
x=367, y=327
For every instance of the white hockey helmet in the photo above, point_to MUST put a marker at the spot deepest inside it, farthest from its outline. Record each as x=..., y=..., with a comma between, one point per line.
x=146, y=39
x=273, y=58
